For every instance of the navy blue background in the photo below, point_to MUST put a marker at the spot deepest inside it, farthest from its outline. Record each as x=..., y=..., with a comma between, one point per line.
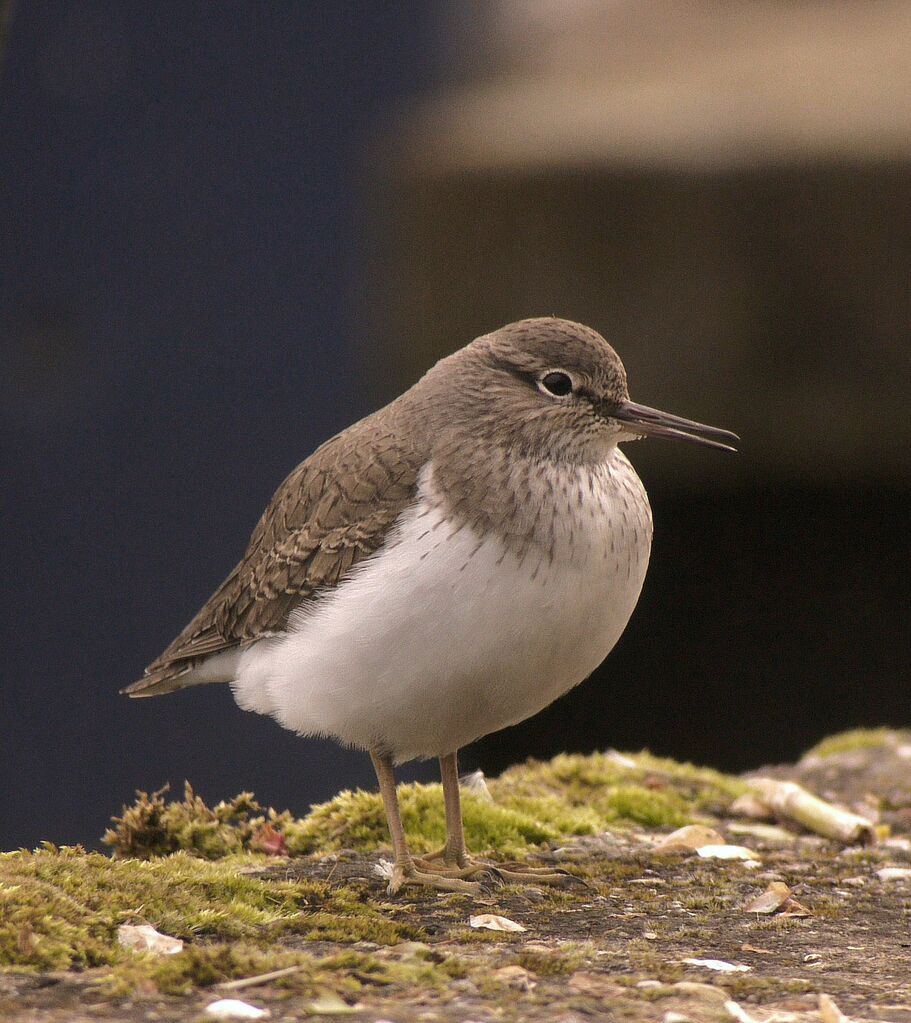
x=180, y=255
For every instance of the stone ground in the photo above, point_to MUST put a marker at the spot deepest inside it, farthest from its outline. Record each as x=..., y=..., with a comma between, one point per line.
x=615, y=945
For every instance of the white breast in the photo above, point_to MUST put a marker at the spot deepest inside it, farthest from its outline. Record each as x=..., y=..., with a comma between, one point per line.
x=442, y=636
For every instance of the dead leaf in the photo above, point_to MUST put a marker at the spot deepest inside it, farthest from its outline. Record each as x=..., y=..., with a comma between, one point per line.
x=492, y=922
x=794, y=908
x=268, y=840
x=777, y=898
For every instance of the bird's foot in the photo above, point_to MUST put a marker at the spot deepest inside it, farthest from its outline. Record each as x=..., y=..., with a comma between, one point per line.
x=463, y=866
x=414, y=873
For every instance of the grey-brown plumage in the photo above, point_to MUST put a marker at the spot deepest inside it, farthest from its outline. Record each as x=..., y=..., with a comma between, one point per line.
x=338, y=505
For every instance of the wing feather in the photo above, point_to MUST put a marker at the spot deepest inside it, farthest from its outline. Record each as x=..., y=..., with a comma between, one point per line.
x=333, y=510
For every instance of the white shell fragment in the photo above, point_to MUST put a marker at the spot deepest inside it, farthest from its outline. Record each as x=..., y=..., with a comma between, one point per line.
x=729, y=852
x=383, y=869
x=719, y=965
x=143, y=938
x=492, y=922
x=894, y=873
x=233, y=1008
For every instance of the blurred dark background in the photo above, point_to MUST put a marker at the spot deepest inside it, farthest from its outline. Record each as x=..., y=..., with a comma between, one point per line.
x=227, y=231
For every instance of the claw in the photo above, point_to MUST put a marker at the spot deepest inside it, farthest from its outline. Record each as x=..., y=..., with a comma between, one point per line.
x=540, y=875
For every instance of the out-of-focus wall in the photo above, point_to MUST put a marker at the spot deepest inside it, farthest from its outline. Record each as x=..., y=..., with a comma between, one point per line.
x=723, y=190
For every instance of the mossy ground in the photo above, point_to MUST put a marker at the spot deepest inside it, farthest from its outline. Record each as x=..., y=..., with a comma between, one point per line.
x=202, y=874
x=533, y=803
x=856, y=739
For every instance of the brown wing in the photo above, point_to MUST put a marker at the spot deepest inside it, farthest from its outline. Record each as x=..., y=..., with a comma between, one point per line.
x=333, y=510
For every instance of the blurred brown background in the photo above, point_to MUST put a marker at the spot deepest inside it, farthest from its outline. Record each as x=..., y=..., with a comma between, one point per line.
x=724, y=191
x=225, y=236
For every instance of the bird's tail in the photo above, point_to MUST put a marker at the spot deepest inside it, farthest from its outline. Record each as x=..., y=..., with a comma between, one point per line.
x=167, y=679
x=169, y=676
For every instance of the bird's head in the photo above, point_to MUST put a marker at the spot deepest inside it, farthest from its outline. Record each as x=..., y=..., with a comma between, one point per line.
x=556, y=389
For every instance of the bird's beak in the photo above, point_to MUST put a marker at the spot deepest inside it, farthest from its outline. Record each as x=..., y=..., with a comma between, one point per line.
x=649, y=422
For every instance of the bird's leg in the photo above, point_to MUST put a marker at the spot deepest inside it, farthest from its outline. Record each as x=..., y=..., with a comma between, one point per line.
x=404, y=870
x=453, y=859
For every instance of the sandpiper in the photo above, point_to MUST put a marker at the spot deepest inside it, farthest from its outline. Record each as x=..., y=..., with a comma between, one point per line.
x=445, y=567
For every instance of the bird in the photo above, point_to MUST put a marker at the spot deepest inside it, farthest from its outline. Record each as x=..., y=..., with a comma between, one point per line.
x=444, y=568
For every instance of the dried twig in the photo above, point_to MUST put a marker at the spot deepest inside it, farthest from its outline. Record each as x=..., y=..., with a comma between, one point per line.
x=262, y=978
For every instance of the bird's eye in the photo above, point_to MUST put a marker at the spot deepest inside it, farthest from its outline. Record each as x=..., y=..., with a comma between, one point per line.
x=556, y=383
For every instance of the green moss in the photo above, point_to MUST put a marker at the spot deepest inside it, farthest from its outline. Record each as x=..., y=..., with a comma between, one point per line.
x=355, y=820
x=61, y=907
x=197, y=872
x=202, y=966
x=347, y=973
x=557, y=963
x=627, y=788
x=856, y=739
x=533, y=803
